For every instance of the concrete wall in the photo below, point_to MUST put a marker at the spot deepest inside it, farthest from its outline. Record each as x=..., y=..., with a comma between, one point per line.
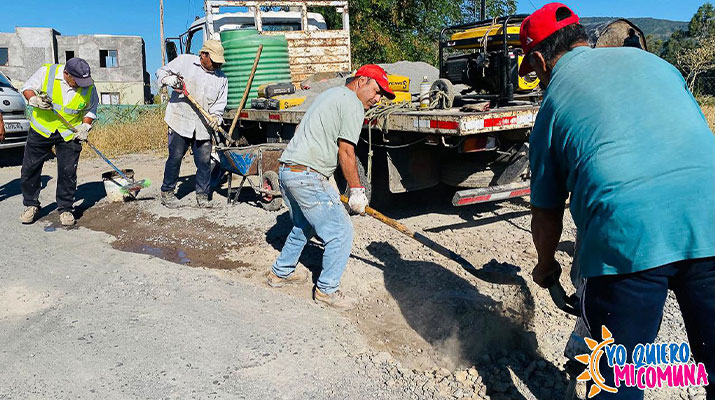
x=129, y=92
x=127, y=77
x=30, y=48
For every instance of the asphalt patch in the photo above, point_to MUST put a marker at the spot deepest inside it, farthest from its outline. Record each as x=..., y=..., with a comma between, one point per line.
x=196, y=243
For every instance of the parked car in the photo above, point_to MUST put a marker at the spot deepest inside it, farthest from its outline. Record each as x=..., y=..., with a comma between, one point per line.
x=12, y=107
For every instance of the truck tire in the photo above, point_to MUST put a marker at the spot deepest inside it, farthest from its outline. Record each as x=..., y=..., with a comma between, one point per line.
x=446, y=87
x=270, y=182
x=381, y=196
x=343, y=187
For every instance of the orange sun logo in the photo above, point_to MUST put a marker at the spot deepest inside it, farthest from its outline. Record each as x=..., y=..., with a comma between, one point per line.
x=592, y=371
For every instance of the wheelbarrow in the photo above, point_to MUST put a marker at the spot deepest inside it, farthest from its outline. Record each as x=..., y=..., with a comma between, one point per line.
x=259, y=161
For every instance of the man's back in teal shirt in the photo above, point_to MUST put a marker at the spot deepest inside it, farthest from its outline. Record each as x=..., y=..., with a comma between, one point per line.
x=619, y=130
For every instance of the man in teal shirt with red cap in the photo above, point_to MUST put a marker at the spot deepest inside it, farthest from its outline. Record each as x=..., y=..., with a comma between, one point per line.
x=619, y=131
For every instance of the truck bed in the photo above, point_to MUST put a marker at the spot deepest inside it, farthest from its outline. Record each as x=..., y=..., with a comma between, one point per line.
x=451, y=122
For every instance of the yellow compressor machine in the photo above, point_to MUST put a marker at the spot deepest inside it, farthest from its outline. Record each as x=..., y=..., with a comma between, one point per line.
x=485, y=56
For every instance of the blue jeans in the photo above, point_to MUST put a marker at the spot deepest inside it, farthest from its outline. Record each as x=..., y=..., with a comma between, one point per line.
x=315, y=208
x=631, y=307
x=178, y=145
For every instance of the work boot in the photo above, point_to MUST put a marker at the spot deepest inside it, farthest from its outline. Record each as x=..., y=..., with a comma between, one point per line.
x=28, y=216
x=202, y=200
x=336, y=299
x=298, y=276
x=66, y=218
x=169, y=200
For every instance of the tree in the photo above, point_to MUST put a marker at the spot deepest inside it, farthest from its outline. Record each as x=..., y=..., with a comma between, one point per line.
x=693, y=51
x=703, y=22
x=495, y=8
x=655, y=44
x=385, y=31
x=696, y=61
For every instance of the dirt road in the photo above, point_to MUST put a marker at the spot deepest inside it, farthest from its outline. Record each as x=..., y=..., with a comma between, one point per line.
x=150, y=302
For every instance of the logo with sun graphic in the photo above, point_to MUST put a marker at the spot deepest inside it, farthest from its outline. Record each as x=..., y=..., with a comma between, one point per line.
x=592, y=360
x=653, y=365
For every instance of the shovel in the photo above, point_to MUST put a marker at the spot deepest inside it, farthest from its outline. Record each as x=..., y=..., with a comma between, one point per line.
x=485, y=275
x=130, y=187
x=566, y=303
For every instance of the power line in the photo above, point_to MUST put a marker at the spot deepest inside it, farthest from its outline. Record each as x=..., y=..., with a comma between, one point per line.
x=532, y=4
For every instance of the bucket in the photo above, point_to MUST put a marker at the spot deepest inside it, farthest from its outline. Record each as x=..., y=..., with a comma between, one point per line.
x=113, y=183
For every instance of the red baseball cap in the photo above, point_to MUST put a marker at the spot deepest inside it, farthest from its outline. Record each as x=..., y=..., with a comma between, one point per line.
x=542, y=24
x=379, y=75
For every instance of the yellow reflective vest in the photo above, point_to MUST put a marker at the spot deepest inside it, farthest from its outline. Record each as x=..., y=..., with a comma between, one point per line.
x=46, y=122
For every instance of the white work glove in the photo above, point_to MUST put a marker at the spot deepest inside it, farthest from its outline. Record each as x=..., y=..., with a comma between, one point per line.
x=215, y=122
x=83, y=132
x=358, y=200
x=171, y=81
x=40, y=101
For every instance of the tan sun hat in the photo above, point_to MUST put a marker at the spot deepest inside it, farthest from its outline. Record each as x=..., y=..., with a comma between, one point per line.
x=215, y=50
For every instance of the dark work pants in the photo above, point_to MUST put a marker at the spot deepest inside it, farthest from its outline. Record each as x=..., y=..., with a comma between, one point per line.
x=178, y=145
x=631, y=307
x=38, y=149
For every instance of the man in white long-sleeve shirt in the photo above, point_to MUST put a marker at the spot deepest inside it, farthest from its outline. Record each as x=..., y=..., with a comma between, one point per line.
x=209, y=86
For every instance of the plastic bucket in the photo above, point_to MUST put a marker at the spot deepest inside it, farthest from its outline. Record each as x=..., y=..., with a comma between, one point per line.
x=113, y=183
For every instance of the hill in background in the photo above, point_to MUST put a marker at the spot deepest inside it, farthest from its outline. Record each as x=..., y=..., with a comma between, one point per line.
x=660, y=28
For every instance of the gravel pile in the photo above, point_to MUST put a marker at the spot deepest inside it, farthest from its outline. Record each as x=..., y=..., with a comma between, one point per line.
x=416, y=71
x=501, y=377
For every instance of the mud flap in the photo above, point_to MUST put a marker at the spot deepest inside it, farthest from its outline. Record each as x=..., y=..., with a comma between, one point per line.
x=412, y=168
x=517, y=164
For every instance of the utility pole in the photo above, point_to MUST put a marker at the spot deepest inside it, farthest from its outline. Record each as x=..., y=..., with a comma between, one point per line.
x=162, y=92
x=483, y=10
x=161, y=32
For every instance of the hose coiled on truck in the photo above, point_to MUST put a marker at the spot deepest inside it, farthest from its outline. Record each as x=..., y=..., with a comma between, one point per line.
x=381, y=115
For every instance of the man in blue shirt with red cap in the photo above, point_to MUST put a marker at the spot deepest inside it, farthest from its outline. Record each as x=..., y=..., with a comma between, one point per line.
x=619, y=131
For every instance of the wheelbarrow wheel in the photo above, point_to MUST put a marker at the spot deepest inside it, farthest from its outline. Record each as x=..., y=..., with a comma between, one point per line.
x=270, y=182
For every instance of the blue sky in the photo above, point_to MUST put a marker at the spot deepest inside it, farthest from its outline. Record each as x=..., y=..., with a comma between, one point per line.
x=681, y=10
x=141, y=17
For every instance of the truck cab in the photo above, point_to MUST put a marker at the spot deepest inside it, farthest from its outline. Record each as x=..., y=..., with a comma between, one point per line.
x=312, y=46
x=271, y=21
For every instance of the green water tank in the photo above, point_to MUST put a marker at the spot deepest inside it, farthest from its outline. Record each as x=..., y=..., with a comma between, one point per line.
x=240, y=47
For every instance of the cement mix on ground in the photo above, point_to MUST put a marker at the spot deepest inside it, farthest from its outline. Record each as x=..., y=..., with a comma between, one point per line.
x=190, y=315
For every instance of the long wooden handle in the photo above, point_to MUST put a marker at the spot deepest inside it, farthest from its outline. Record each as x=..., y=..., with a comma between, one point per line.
x=201, y=109
x=245, y=93
x=382, y=218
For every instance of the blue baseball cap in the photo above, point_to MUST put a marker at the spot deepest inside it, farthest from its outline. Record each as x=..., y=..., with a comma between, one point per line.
x=79, y=70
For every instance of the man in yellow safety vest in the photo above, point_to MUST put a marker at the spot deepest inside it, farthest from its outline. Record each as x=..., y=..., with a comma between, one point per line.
x=56, y=92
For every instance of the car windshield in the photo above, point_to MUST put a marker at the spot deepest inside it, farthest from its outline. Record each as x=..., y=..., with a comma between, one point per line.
x=4, y=82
